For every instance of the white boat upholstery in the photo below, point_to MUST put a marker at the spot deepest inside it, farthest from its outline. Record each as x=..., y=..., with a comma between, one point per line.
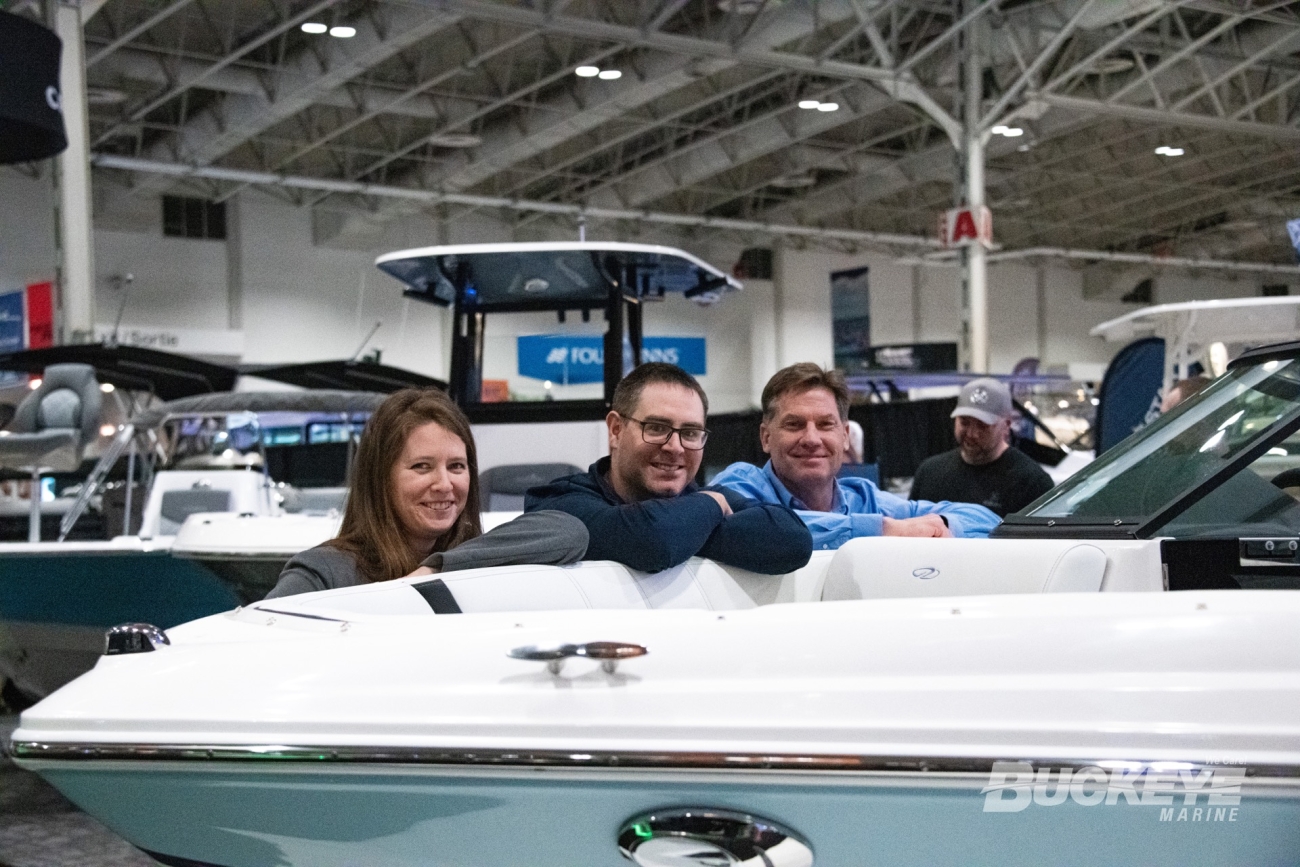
x=863, y=569
x=888, y=567
x=177, y=494
x=600, y=584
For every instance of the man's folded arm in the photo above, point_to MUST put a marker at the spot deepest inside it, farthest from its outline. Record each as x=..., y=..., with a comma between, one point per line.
x=650, y=536
x=760, y=537
x=963, y=519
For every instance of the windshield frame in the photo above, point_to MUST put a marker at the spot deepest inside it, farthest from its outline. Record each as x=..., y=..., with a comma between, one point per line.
x=1148, y=525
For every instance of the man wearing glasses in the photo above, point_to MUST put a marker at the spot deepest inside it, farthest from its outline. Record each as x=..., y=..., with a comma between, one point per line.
x=641, y=505
x=804, y=427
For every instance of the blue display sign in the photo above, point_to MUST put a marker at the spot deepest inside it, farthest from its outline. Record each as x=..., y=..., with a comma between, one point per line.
x=13, y=331
x=1293, y=229
x=573, y=359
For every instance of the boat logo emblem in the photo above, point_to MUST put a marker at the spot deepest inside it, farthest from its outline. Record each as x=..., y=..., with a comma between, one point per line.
x=925, y=572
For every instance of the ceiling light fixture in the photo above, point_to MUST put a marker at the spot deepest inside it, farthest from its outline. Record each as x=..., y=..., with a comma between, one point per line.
x=1007, y=131
x=829, y=106
x=809, y=103
x=1167, y=151
x=342, y=31
x=314, y=27
x=587, y=71
x=455, y=140
x=610, y=75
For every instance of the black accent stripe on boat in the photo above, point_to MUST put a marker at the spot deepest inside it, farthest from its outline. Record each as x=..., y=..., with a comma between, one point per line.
x=176, y=860
x=297, y=614
x=37, y=750
x=438, y=595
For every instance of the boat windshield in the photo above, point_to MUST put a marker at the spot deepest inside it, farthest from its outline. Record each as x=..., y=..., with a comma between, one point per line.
x=1168, y=460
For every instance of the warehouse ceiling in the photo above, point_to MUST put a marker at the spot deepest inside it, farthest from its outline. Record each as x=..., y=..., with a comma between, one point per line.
x=1168, y=127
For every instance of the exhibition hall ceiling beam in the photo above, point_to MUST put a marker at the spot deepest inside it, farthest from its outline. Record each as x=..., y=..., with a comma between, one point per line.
x=301, y=82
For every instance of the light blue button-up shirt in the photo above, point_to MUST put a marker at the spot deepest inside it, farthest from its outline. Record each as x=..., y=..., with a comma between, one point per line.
x=858, y=508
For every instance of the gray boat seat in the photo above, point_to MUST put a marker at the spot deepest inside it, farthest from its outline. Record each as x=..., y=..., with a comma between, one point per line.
x=503, y=486
x=55, y=422
x=51, y=429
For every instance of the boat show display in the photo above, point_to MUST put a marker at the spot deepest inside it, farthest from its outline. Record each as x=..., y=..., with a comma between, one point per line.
x=1113, y=680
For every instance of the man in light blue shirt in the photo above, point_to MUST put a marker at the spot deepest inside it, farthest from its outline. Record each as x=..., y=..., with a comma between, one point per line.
x=804, y=429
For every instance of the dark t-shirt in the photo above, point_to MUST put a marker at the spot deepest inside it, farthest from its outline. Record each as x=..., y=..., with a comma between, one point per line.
x=1005, y=485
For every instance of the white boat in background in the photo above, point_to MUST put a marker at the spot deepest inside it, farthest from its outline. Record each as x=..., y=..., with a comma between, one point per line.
x=1114, y=680
x=1189, y=328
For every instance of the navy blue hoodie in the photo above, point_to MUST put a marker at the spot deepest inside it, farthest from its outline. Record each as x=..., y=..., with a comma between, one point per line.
x=657, y=534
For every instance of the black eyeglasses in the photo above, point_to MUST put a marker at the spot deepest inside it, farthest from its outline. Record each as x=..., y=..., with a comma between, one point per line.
x=656, y=433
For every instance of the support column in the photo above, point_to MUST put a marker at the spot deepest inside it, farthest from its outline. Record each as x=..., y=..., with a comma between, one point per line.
x=76, y=279
x=975, y=298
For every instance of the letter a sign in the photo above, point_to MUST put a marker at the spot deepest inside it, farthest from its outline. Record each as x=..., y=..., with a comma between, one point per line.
x=961, y=227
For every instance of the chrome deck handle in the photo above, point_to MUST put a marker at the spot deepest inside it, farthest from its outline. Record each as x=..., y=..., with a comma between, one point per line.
x=609, y=653
x=134, y=638
x=706, y=837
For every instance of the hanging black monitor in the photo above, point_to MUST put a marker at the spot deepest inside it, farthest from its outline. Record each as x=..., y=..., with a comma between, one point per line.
x=31, y=114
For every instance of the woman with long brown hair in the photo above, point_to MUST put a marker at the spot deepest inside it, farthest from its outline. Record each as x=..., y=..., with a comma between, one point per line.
x=413, y=507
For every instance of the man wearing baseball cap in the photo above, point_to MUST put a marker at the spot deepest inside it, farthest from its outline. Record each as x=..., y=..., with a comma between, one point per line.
x=984, y=468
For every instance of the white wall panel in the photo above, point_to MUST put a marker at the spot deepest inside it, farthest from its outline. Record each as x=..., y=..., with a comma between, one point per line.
x=26, y=229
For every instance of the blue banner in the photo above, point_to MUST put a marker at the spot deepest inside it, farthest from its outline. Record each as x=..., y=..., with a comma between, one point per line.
x=13, y=331
x=1130, y=391
x=573, y=359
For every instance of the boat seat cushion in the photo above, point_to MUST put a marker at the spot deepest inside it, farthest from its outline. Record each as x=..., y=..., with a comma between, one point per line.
x=892, y=567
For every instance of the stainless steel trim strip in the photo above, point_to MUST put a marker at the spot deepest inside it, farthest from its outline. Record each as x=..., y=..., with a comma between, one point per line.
x=574, y=759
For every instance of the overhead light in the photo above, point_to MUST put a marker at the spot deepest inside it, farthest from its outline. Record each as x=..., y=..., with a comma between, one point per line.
x=1007, y=131
x=794, y=181
x=587, y=71
x=107, y=430
x=1113, y=64
x=34, y=384
x=342, y=31
x=455, y=140
x=106, y=387
x=1166, y=151
x=829, y=106
x=609, y=74
x=314, y=27
x=809, y=103
x=105, y=95
x=1063, y=404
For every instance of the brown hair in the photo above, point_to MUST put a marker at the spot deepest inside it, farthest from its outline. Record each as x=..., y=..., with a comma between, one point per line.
x=371, y=530
x=628, y=392
x=798, y=378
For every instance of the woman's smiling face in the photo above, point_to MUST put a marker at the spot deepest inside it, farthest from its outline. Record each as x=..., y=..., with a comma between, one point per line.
x=430, y=484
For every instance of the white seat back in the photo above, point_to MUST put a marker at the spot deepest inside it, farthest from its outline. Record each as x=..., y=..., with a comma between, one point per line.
x=176, y=494
x=886, y=567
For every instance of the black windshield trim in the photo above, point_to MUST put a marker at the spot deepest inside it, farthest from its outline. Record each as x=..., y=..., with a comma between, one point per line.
x=1193, y=495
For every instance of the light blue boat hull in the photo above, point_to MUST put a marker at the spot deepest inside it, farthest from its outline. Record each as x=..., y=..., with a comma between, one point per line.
x=436, y=817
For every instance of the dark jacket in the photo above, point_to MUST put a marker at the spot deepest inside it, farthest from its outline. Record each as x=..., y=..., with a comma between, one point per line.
x=657, y=534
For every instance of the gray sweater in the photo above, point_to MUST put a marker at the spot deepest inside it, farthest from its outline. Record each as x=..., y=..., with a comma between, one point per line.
x=549, y=538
